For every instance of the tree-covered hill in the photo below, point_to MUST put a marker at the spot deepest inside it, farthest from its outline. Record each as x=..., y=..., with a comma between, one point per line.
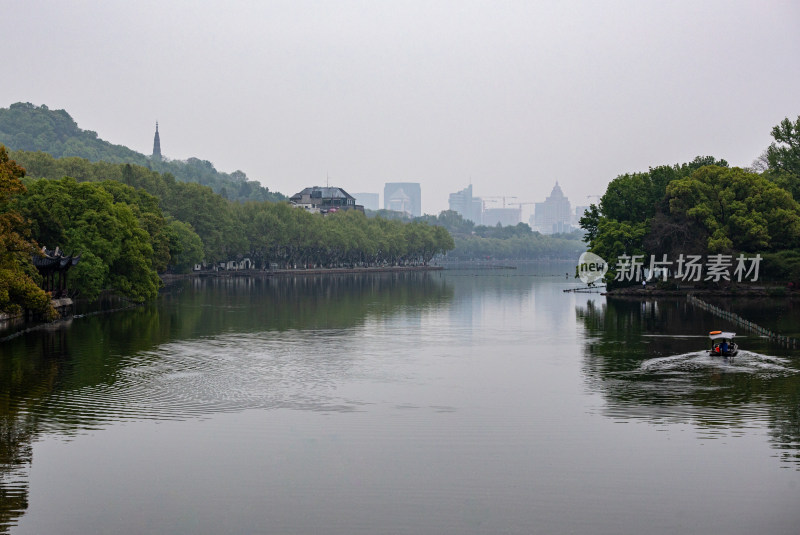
x=25, y=127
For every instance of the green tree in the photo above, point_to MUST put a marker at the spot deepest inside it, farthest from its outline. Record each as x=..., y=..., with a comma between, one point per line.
x=783, y=157
x=738, y=210
x=784, y=153
x=18, y=278
x=185, y=246
x=147, y=211
x=83, y=218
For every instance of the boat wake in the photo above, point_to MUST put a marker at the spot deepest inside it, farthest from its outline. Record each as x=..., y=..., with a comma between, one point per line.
x=696, y=361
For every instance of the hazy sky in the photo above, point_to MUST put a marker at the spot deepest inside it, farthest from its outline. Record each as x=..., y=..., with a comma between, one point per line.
x=511, y=96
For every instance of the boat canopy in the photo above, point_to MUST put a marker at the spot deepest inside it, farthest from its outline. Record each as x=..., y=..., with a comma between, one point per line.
x=721, y=335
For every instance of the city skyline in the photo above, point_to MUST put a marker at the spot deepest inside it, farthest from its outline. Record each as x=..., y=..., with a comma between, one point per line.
x=509, y=97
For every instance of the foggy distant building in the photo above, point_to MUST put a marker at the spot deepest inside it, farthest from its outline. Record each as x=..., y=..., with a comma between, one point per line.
x=156, y=145
x=368, y=200
x=504, y=216
x=576, y=219
x=403, y=197
x=554, y=215
x=465, y=204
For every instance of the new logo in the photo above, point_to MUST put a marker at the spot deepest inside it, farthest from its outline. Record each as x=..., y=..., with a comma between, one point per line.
x=591, y=267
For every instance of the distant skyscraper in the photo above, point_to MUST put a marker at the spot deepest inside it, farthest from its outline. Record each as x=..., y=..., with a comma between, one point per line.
x=506, y=217
x=403, y=197
x=368, y=200
x=576, y=218
x=465, y=204
x=554, y=214
x=157, y=145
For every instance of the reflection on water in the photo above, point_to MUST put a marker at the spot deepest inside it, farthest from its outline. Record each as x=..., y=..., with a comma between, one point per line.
x=207, y=346
x=449, y=402
x=643, y=357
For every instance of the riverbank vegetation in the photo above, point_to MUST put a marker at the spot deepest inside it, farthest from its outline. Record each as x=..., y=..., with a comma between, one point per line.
x=19, y=281
x=139, y=223
x=706, y=207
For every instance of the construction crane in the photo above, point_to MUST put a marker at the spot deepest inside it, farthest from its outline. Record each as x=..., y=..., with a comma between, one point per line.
x=504, y=197
x=483, y=202
x=520, y=205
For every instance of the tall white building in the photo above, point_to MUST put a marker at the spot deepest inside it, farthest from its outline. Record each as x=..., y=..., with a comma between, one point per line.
x=554, y=215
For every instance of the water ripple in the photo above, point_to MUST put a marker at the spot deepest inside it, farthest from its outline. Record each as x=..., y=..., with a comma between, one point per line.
x=699, y=388
x=190, y=379
x=743, y=362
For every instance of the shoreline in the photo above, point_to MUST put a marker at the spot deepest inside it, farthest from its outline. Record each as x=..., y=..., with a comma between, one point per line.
x=66, y=306
x=172, y=277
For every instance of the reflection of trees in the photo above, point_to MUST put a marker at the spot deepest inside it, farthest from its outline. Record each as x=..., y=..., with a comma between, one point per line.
x=15, y=459
x=38, y=368
x=623, y=334
x=26, y=381
x=303, y=302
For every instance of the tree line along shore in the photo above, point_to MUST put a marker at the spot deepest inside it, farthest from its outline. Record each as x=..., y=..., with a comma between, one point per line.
x=132, y=218
x=125, y=235
x=705, y=208
x=131, y=224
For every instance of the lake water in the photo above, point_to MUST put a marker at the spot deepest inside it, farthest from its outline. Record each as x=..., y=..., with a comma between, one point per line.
x=452, y=402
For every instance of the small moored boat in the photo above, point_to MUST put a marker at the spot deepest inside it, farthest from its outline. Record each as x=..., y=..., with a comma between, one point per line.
x=722, y=344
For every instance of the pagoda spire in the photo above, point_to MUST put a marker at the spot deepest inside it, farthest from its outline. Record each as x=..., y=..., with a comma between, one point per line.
x=157, y=145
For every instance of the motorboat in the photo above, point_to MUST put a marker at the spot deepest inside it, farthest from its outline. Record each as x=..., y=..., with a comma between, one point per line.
x=722, y=344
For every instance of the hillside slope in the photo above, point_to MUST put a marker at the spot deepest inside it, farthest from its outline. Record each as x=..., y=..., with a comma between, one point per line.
x=24, y=126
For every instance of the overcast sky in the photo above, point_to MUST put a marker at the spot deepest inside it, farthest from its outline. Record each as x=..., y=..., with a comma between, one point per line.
x=510, y=96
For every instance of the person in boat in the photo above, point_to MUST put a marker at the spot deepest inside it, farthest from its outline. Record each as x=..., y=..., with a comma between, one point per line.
x=723, y=347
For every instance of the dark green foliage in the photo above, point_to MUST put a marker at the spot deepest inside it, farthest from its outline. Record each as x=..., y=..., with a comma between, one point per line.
x=185, y=246
x=291, y=237
x=633, y=216
x=737, y=210
x=705, y=207
x=211, y=216
x=85, y=219
x=783, y=266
